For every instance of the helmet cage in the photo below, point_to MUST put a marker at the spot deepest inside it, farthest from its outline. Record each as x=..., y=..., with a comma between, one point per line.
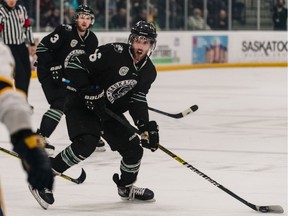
x=133, y=37
x=146, y=31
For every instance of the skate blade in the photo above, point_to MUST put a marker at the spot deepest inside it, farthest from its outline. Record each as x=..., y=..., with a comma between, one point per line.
x=41, y=202
x=137, y=200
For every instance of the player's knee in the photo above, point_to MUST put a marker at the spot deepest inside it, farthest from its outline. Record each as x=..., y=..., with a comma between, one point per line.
x=58, y=105
x=134, y=153
x=85, y=145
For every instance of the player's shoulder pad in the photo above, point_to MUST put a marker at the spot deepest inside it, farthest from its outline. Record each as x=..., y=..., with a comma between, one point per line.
x=62, y=29
x=118, y=47
x=66, y=27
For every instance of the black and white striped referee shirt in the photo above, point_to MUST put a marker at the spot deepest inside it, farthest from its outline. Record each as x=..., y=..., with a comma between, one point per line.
x=15, y=25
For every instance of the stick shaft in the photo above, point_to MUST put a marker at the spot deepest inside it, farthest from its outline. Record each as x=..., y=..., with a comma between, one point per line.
x=79, y=180
x=189, y=166
x=183, y=162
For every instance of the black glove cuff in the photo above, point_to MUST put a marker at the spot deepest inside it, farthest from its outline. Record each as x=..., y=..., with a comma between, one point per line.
x=148, y=126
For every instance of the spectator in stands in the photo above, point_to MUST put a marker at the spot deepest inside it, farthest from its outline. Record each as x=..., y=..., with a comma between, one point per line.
x=54, y=20
x=221, y=21
x=153, y=17
x=68, y=14
x=176, y=15
x=280, y=16
x=118, y=21
x=46, y=9
x=136, y=8
x=142, y=15
x=238, y=11
x=196, y=22
x=214, y=6
x=99, y=19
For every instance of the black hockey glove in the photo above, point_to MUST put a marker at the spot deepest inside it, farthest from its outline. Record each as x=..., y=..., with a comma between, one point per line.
x=94, y=100
x=56, y=73
x=34, y=159
x=149, y=135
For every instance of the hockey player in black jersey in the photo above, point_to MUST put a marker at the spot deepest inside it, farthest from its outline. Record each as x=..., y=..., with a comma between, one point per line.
x=54, y=52
x=117, y=76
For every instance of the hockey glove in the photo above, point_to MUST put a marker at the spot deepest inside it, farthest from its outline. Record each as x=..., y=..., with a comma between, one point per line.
x=149, y=135
x=34, y=159
x=56, y=73
x=94, y=100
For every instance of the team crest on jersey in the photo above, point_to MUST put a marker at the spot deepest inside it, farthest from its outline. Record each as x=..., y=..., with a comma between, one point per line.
x=73, y=43
x=73, y=53
x=119, y=89
x=118, y=48
x=68, y=27
x=123, y=71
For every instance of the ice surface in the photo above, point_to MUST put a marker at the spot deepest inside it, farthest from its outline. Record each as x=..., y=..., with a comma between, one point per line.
x=238, y=137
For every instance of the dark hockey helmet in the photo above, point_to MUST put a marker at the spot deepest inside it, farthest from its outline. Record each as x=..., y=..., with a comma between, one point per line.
x=84, y=9
x=144, y=29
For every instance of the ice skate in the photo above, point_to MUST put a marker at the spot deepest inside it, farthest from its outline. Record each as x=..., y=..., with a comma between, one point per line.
x=131, y=192
x=43, y=197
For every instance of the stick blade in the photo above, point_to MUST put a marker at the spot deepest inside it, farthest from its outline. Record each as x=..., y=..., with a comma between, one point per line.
x=78, y=180
x=82, y=177
x=271, y=209
x=189, y=110
x=194, y=108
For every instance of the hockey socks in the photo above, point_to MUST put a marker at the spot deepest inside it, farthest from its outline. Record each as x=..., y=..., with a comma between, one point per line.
x=49, y=122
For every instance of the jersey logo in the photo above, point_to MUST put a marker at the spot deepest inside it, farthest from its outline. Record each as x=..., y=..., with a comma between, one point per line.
x=123, y=71
x=73, y=53
x=73, y=43
x=118, y=48
x=67, y=27
x=119, y=89
x=55, y=38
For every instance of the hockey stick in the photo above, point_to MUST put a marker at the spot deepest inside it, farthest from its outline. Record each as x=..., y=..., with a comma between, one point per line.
x=78, y=180
x=176, y=115
x=263, y=209
x=172, y=115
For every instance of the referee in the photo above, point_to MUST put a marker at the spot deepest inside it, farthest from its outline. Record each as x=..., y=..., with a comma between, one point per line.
x=15, y=31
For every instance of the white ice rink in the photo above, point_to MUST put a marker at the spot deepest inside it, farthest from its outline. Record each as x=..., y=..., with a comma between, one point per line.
x=238, y=137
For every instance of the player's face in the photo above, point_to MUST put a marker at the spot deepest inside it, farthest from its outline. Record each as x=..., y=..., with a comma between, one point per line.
x=141, y=47
x=83, y=22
